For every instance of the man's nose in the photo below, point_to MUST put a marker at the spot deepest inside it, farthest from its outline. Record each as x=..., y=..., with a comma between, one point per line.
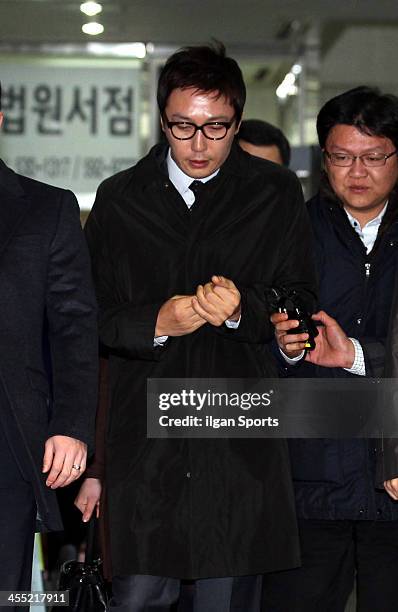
x=358, y=168
x=199, y=141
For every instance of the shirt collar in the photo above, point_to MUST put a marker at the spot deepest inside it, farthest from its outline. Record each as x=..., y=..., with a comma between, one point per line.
x=373, y=223
x=180, y=180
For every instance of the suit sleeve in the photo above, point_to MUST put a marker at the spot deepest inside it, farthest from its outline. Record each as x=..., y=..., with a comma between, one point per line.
x=295, y=269
x=72, y=328
x=124, y=328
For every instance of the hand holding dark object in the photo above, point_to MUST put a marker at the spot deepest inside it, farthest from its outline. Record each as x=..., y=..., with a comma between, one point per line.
x=291, y=319
x=289, y=302
x=88, y=498
x=333, y=347
x=292, y=345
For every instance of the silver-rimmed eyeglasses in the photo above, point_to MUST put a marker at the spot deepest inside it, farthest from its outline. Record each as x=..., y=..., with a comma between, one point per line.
x=213, y=130
x=371, y=160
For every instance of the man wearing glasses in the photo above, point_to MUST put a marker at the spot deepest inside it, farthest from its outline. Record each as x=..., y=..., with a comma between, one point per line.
x=346, y=524
x=183, y=246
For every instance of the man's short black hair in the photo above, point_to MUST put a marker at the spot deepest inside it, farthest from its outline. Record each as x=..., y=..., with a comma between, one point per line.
x=262, y=134
x=206, y=68
x=370, y=111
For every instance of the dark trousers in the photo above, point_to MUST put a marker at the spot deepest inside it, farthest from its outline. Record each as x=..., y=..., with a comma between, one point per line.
x=17, y=525
x=333, y=552
x=158, y=594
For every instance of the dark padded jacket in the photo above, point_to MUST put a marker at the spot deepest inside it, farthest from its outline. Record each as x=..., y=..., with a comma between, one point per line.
x=335, y=479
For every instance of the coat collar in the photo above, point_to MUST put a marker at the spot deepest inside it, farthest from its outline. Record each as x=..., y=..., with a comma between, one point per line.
x=13, y=204
x=234, y=165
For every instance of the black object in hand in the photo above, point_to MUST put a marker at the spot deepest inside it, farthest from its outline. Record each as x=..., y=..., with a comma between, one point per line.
x=289, y=302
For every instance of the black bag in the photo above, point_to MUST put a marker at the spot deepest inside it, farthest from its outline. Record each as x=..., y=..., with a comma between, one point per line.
x=84, y=581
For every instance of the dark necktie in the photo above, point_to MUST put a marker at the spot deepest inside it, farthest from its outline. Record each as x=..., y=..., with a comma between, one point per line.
x=197, y=188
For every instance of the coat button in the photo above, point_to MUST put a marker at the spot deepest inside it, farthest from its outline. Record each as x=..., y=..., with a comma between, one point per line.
x=359, y=321
x=361, y=511
x=379, y=512
x=188, y=474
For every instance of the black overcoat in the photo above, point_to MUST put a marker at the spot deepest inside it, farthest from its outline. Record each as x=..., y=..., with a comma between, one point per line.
x=195, y=508
x=48, y=336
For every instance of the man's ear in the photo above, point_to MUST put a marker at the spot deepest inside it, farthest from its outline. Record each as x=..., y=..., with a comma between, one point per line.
x=1, y=118
x=162, y=123
x=237, y=127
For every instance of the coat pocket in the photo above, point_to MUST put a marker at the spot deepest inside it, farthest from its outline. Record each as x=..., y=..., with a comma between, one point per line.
x=316, y=461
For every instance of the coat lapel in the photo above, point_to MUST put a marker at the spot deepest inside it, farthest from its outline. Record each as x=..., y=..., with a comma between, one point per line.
x=13, y=204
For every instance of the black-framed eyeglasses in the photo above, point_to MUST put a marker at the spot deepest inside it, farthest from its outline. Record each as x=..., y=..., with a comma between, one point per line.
x=371, y=160
x=213, y=130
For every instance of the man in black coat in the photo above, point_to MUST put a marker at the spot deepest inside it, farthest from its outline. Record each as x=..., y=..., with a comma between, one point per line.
x=346, y=524
x=183, y=246
x=48, y=368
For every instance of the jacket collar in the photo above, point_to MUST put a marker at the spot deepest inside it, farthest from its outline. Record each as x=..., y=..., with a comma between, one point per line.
x=13, y=204
x=330, y=207
x=157, y=168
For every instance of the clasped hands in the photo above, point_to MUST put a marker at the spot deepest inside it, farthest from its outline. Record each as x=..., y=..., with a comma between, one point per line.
x=215, y=302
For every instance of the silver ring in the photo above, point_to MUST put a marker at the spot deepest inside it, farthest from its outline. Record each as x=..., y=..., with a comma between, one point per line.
x=75, y=466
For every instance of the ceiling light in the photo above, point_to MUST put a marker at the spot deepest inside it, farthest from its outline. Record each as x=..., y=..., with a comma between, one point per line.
x=136, y=50
x=287, y=87
x=289, y=79
x=91, y=8
x=130, y=50
x=93, y=28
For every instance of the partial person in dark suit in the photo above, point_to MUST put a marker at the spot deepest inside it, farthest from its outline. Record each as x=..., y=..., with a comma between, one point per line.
x=183, y=246
x=48, y=367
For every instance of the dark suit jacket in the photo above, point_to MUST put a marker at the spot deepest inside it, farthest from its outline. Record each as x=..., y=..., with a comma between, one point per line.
x=195, y=508
x=48, y=362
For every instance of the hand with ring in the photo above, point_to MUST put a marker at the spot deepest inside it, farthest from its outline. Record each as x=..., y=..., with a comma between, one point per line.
x=64, y=460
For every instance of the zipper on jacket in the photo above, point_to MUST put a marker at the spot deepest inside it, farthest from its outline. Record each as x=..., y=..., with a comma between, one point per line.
x=367, y=275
